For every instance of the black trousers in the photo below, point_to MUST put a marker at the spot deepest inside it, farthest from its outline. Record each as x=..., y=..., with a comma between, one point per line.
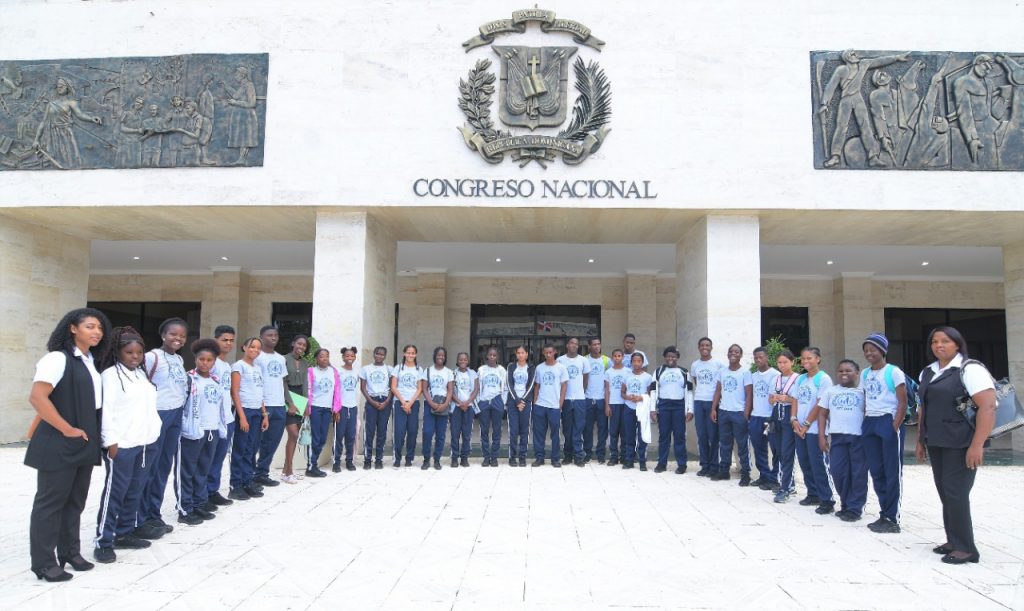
x=57, y=515
x=953, y=481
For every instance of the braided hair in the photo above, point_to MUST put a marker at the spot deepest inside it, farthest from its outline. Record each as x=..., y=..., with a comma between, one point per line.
x=119, y=338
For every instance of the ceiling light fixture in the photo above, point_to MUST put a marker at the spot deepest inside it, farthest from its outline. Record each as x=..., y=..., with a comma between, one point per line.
x=590, y=260
x=136, y=258
x=498, y=260
x=223, y=258
x=924, y=263
x=829, y=262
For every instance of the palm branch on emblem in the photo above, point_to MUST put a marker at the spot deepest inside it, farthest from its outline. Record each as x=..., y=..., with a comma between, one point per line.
x=593, y=107
x=475, y=100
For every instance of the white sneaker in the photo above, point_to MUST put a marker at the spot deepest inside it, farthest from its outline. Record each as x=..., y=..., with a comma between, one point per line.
x=290, y=479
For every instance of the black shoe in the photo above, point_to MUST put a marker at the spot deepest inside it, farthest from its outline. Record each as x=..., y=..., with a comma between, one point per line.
x=77, y=562
x=766, y=484
x=367, y=465
x=104, y=555
x=660, y=468
x=951, y=559
x=378, y=464
x=425, y=465
x=203, y=514
x=720, y=476
x=148, y=531
x=627, y=464
x=888, y=527
x=437, y=464
x=238, y=494
x=350, y=466
x=463, y=462
x=809, y=500
x=208, y=506
x=580, y=462
x=849, y=516
x=556, y=464
x=485, y=463
x=538, y=463
x=316, y=472
x=586, y=458
x=253, y=492
x=455, y=462
x=943, y=549
x=600, y=460
x=191, y=519
x=397, y=464
x=408, y=462
x=513, y=462
x=612, y=462
x=54, y=573
x=643, y=466
x=217, y=499
x=680, y=470
x=130, y=542
x=494, y=462
x=744, y=479
x=266, y=480
x=164, y=525
x=336, y=468
x=825, y=508
x=256, y=487
x=702, y=473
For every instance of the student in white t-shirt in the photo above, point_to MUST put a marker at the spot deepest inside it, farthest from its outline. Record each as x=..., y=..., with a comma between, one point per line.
x=763, y=385
x=407, y=387
x=225, y=336
x=843, y=404
x=634, y=387
x=704, y=374
x=811, y=440
x=614, y=405
x=550, y=382
x=598, y=364
x=731, y=411
x=375, y=383
x=672, y=414
x=323, y=405
x=886, y=398
x=347, y=418
x=439, y=382
x=574, y=410
x=250, y=420
x=464, y=403
x=278, y=401
x=492, y=410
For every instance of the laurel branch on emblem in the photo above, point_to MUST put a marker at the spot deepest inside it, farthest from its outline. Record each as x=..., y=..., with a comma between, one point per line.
x=584, y=134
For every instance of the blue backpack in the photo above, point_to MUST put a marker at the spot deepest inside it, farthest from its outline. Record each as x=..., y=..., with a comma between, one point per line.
x=913, y=400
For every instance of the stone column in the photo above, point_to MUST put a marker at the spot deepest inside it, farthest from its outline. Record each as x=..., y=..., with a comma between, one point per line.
x=431, y=297
x=223, y=300
x=718, y=285
x=1013, y=290
x=853, y=316
x=43, y=275
x=642, y=312
x=354, y=286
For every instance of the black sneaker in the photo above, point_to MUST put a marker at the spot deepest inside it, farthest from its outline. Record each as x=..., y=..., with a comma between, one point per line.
x=104, y=555
x=203, y=514
x=538, y=463
x=425, y=465
x=556, y=464
x=513, y=462
x=398, y=463
x=580, y=462
x=627, y=464
x=702, y=473
x=148, y=531
x=825, y=508
x=315, y=472
x=378, y=464
x=336, y=468
x=849, y=516
x=744, y=479
x=464, y=462
x=612, y=462
x=239, y=494
x=164, y=525
x=367, y=465
x=720, y=476
x=600, y=460
x=809, y=500
x=191, y=519
x=680, y=470
x=660, y=468
x=217, y=499
x=643, y=466
x=885, y=526
x=130, y=541
x=455, y=462
x=266, y=480
x=437, y=464
x=253, y=491
x=350, y=466
x=766, y=485
x=485, y=463
x=586, y=458
x=208, y=506
x=408, y=462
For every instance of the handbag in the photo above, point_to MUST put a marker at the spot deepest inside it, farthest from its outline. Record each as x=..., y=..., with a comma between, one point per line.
x=305, y=433
x=1009, y=413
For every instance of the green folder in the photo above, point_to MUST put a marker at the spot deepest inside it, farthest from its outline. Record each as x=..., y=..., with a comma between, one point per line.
x=300, y=403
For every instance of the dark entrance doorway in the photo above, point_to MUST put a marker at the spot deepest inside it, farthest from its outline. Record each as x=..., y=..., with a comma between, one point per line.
x=509, y=326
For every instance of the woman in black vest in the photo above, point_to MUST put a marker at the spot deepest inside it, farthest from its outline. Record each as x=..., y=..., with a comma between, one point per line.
x=956, y=450
x=65, y=440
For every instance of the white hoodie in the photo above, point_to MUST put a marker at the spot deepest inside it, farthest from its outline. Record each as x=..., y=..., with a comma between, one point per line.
x=130, y=418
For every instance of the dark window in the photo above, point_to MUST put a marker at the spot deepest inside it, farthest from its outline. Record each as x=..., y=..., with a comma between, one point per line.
x=789, y=323
x=509, y=326
x=908, y=329
x=291, y=319
x=146, y=317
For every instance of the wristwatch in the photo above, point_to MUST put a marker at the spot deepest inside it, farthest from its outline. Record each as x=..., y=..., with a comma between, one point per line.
x=805, y=424
x=794, y=419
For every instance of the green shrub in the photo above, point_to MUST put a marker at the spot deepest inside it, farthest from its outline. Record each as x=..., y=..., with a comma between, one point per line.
x=774, y=346
x=310, y=356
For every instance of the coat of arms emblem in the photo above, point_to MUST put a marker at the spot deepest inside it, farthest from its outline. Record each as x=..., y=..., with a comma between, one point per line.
x=533, y=92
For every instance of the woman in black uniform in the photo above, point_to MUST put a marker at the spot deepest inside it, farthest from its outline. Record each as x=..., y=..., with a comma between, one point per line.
x=955, y=448
x=65, y=440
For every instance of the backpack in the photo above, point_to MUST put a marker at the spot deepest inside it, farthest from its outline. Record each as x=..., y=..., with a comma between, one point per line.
x=913, y=400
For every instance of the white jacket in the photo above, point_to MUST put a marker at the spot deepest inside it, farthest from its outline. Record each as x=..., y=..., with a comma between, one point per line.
x=130, y=418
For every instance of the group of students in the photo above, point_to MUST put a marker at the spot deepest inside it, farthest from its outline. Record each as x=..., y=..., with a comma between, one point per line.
x=157, y=418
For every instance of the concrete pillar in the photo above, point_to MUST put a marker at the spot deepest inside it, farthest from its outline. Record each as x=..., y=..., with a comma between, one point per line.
x=431, y=297
x=1013, y=290
x=718, y=285
x=642, y=310
x=354, y=287
x=223, y=300
x=853, y=315
x=43, y=275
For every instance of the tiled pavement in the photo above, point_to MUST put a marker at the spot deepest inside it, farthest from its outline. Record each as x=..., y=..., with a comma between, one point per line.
x=508, y=538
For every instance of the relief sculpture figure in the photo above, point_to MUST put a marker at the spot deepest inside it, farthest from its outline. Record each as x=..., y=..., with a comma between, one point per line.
x=848, y=79
x=129, y=136
x=883, y=114
x=973, y=107
x=55, y=136
x=243, y=126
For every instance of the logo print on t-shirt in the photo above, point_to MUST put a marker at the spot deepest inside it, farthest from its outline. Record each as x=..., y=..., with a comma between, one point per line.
x=617, y=381
x=574, y=371
x=670, y=377
x=175, y=371
x=437, y=383
x=492, y=381
x=547, y=378
x=463, y=382
x=520, y=377
x=257, y=378
x=705, y=377
x=873, y=388
x=325, y=386
x=847, y=401
x=378, y=378
x=730, y=384
x=212, y=393
x=761, y=388
x=350, y=383
x=275, y=369
x=806, y=393
x=635, y=386
x=597, y=368
x=407, y=380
